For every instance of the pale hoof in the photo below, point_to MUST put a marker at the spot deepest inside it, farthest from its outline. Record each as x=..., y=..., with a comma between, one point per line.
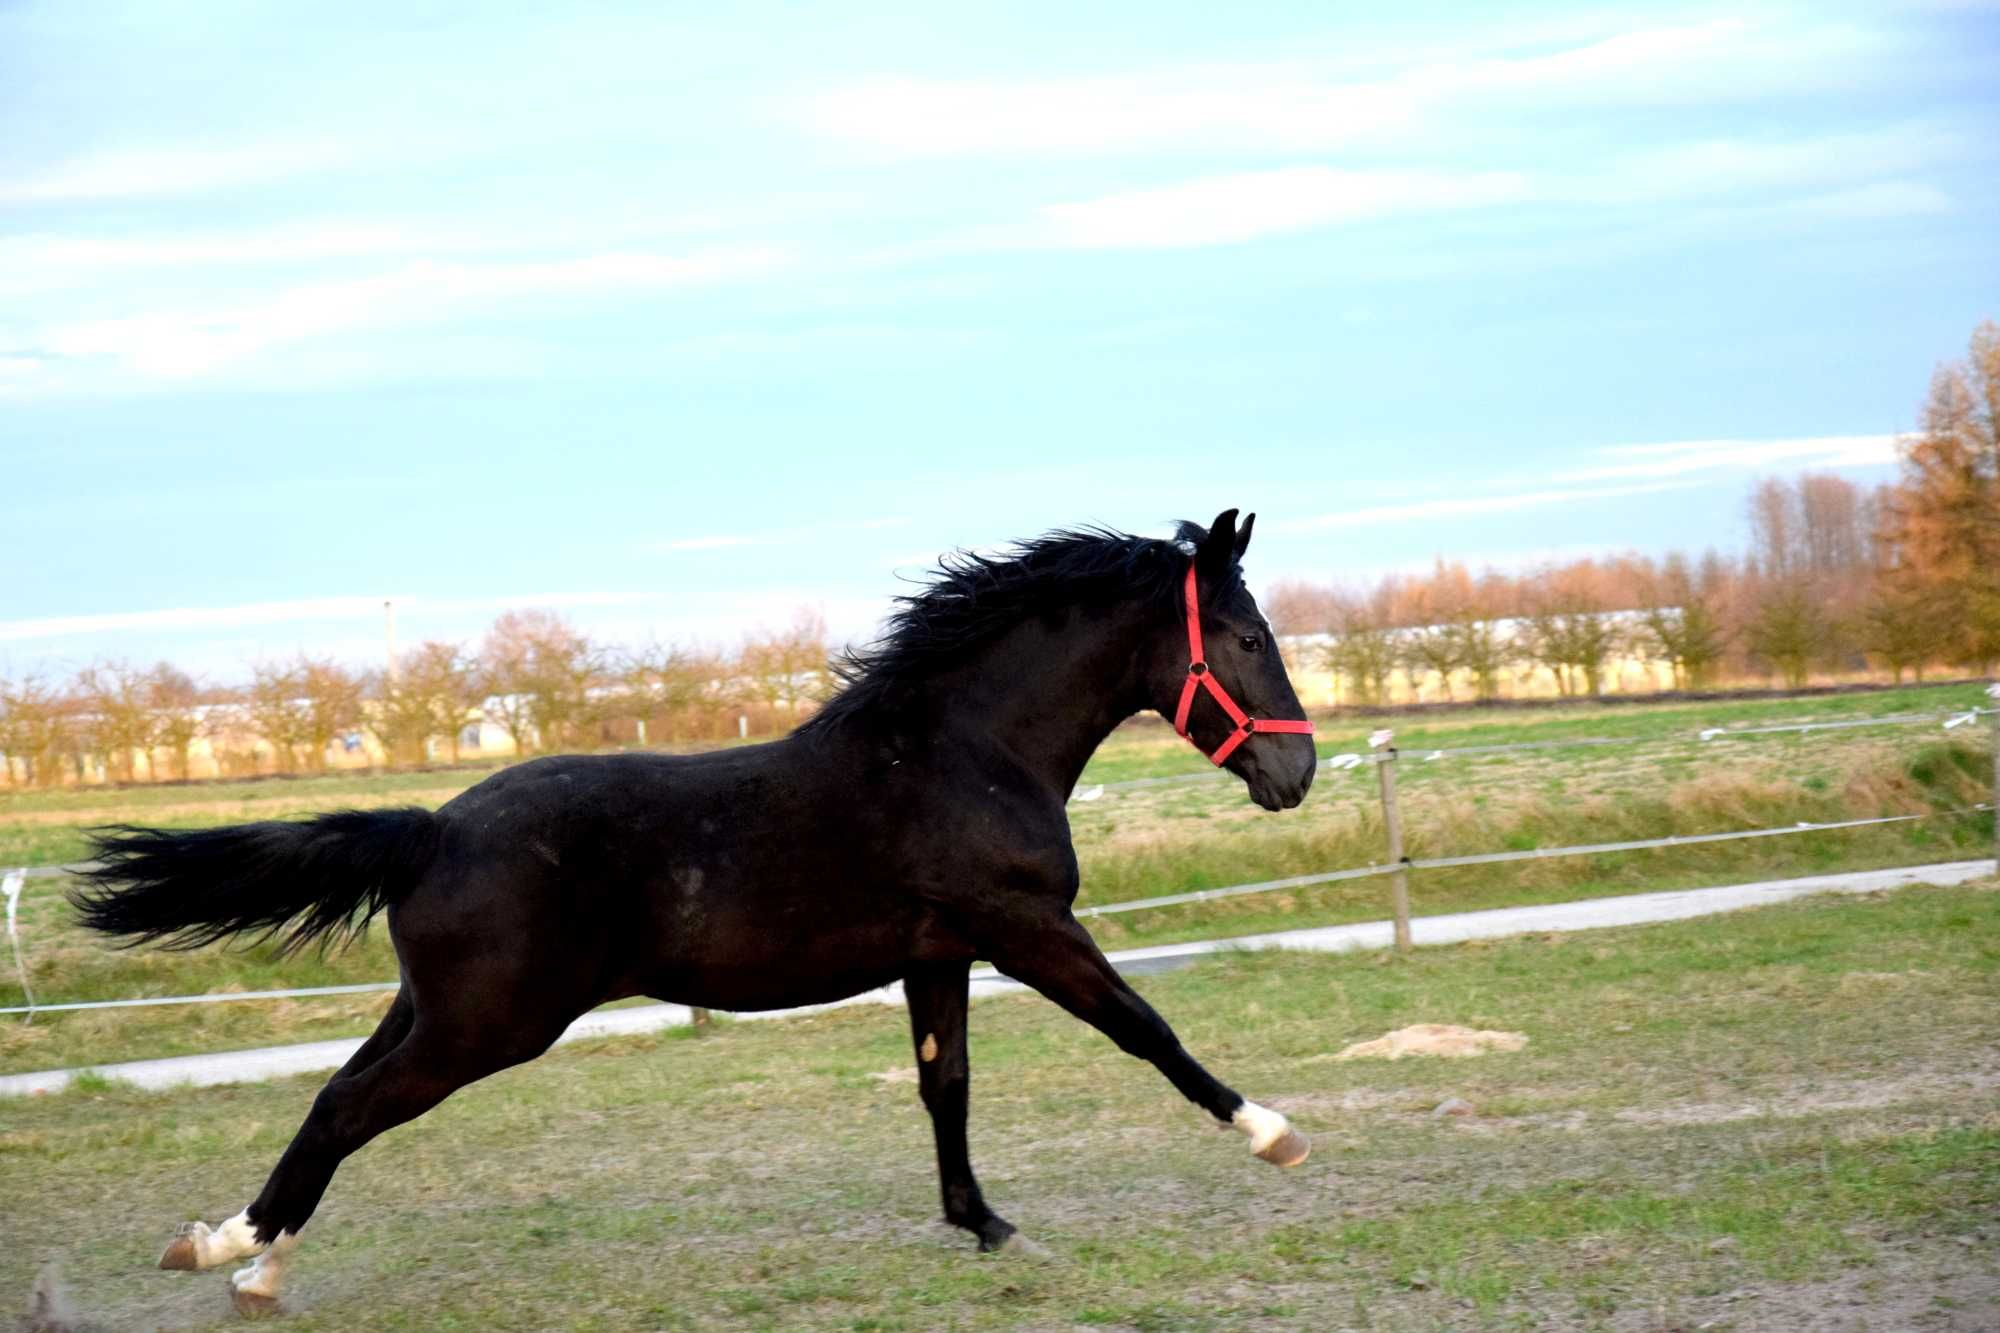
x=183, y=1252
x=251, y=1305
x=1020, y=1247
x=1288, y=1149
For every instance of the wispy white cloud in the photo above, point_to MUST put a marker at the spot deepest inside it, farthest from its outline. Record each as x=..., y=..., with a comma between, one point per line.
x=1686, y=457
x=708, y=543
x=179, y=344
x=49, y=260
x=1285, y=107
x=770, y=536
x=1882, y=199
x=43, y=262
x=1423, y=511
x=312, y=609
x=1699, y=167
x=1222, y=210
x=163, y=170
x=1645, y=469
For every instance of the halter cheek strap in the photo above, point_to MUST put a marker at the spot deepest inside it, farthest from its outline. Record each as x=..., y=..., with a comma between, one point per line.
x=1200, y=677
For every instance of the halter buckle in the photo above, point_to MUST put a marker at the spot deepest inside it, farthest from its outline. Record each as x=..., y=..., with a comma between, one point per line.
x=1197, y=668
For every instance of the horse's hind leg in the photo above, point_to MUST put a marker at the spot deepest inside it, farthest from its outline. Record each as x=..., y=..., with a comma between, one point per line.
x=196, y=1245
x=936, y=993
x=434, y=1059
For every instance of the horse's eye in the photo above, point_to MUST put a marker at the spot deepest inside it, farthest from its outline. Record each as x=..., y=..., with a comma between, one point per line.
x=1251, y=643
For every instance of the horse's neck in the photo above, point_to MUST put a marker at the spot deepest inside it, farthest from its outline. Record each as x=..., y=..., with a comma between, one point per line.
x=1049, y=696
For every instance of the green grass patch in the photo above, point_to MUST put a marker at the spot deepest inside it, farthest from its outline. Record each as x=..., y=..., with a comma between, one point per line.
x=1773, y=1101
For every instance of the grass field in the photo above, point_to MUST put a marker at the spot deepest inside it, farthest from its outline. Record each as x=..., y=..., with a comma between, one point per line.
x=1147, y=842
x=1775, y=1120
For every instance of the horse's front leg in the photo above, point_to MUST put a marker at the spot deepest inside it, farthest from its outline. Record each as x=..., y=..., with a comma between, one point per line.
x=936, y=993
x=1061, y=960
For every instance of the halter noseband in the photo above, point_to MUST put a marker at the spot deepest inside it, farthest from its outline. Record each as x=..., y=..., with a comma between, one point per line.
x=1200, y=676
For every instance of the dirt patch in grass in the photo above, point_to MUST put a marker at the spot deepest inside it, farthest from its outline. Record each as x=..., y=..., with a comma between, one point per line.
x=1932, y=1286
x=1447, y=1040
x=1976, y=1077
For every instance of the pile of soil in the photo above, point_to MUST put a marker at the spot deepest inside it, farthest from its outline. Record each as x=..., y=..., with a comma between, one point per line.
x=1446, y=1039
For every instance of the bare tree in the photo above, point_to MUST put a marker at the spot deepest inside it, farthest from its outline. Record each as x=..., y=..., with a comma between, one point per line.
x=1568, y=630
x=272, y=708
x=400, y=716
x=1899, y=628
x=1774, y=529
x=302, y=705
x=1789, y=631
x=175, y=699
x=1364, y=651
x=118, y=716
x=667, y=683
x=784, y=668
x=1682, y=623
x=539, y=674
x=450, y=680
x=1433, y=644
x=1483, y=651
x=332, y=696
x=1835, y=522
x=434, y=691
x=34, y=729
x=1296, y=607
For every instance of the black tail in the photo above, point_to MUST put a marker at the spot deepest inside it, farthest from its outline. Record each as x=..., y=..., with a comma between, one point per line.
x=323, y=877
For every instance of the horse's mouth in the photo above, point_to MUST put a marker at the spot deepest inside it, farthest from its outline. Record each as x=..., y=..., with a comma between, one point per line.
x=1271, y=797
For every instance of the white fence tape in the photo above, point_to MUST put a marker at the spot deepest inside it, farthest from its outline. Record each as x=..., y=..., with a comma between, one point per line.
x=1141, y=904
x=1495, y=858
x=218, y=997
x=12, y=885
x=1427, y=754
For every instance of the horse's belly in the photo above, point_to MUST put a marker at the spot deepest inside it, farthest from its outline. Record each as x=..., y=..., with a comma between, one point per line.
x=758, y=990
x=742, y=963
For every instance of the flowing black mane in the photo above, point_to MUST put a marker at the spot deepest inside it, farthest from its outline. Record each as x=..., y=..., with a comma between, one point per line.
x=971, y=598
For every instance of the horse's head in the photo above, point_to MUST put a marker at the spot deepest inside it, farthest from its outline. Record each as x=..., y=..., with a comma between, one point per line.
x=1240, y=654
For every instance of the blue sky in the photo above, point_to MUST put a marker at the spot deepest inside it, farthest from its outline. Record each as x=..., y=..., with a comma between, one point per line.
x=678, y=318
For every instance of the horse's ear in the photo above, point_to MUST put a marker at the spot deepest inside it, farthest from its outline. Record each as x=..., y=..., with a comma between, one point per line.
x=1243, y=534
x=1218, y=550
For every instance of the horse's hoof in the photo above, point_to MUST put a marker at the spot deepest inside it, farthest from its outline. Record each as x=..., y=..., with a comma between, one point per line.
x=1020, y=1247
x=253, y=1306
x=1288, y=1149
x=183, y=1254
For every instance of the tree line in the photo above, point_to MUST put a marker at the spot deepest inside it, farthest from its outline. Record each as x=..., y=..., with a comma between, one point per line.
x=534, y=676
x=1900, y=579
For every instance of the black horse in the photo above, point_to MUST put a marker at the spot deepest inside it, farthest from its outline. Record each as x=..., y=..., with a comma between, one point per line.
x=914, y=824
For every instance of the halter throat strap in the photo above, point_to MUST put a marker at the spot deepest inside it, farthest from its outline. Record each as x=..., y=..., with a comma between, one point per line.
x=1199, y=677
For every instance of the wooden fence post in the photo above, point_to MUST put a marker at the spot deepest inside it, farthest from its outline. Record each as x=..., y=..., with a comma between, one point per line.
x=1392, y=825
x=701, y=1018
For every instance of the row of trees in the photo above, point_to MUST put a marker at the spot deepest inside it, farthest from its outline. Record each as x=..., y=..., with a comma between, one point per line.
x=1899, y=579
x=535, y=676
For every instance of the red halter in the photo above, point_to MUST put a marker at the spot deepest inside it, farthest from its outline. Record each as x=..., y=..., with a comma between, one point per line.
x=1199, y=675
